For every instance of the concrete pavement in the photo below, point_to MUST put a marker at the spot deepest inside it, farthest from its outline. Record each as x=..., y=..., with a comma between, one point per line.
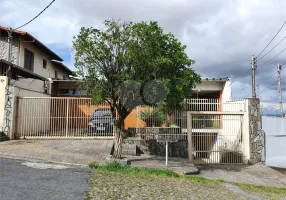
x=41, y=181
x=66, y=151
x=257, y=174
x=82, y=152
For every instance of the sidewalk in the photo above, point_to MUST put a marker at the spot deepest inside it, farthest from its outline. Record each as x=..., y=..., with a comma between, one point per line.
x=66, y=151
x=257, y=174
x=82, y=152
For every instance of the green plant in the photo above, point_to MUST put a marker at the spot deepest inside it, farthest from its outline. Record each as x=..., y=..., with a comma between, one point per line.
x=153, y=117
x=137, y=171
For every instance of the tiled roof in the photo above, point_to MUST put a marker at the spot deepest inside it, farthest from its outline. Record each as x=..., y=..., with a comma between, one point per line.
x=37, y=43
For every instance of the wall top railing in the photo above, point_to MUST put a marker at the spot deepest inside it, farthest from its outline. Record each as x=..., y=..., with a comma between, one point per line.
x=214, y=105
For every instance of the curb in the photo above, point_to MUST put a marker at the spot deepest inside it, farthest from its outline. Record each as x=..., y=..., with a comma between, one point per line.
x=28, y=158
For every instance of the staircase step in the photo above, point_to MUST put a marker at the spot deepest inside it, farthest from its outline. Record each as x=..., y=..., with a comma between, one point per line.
x=129, y=146
x=129, y=149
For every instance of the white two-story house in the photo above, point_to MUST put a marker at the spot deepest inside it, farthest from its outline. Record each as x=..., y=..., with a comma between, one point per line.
x=33, y=65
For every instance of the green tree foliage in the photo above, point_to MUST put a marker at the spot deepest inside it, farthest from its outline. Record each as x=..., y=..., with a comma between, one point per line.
x=120, y=63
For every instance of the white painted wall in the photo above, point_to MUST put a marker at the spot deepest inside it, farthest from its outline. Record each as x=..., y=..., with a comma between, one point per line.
x=235, y=105
x=25, y=85
x=49, y=72
x=3, y=83
x=275, y=140
x=212, y=85
x=226, y=92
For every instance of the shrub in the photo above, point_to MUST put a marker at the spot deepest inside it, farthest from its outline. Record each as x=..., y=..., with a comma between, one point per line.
x=153, y=117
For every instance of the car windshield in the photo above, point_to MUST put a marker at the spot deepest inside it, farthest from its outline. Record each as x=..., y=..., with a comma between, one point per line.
x=102, y=113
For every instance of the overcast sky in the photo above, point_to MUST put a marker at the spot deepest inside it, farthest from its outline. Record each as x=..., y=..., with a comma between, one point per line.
x=221, y=36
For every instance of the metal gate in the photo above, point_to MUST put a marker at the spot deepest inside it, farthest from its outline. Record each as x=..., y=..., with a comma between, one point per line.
x=217, y=138
x=63, y=118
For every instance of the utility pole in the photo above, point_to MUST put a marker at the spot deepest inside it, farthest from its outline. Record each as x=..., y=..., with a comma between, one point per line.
x=279, y=67
x=253, y=68
x=257, y=91
x=9, y=54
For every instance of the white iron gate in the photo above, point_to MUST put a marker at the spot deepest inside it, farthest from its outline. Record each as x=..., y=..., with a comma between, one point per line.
x=63, y=118
x=216, y=138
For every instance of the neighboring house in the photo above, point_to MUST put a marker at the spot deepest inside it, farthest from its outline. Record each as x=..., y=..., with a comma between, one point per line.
x=219, y=88
x=33, y=66
x=33, y=63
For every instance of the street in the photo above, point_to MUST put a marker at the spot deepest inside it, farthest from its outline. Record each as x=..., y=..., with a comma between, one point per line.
x=27, y=180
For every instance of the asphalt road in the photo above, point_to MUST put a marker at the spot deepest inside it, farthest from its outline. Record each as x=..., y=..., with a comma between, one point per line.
x=21, y=180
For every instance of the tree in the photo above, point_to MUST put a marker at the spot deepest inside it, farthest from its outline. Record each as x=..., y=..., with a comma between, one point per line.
x=131, y=64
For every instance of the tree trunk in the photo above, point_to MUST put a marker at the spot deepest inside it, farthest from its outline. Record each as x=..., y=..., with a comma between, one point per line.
x=119, y=130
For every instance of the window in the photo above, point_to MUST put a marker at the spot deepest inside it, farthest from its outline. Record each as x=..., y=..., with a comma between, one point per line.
x=28, y=60
x=63, y=92
x=56, y=74
x=44, y=64
x=71, y=92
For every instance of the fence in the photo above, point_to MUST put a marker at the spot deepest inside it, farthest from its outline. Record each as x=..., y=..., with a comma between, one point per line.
x=215, y=105
x=153, y=117
x=275, y=140
x=217, y=138
x=64, y=117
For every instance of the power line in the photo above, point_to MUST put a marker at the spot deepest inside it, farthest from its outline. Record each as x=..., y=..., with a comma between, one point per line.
x=271, y=76
x=274, y=57
x=268, y=87
x=37, y=15
x=272, y=48
x=272, y=39
x=240, y=77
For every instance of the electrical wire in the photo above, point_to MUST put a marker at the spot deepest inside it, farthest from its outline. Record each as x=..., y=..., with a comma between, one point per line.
x=268, y=87
x=36, y=15
x=271, y=39
x=270, y=76
x=274, y=57
x=272, y=48
x=240, y=77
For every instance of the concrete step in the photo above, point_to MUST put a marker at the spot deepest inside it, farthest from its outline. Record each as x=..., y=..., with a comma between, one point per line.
x=129, y=149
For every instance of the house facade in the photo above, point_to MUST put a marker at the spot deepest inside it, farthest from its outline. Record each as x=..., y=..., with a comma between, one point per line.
x=32, y=63
x=32, y=66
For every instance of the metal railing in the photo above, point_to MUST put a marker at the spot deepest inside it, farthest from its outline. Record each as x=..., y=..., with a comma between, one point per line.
x=220, y=142
x=64, y=117
x=77, y=117
x=215, y=105
x=154, y=117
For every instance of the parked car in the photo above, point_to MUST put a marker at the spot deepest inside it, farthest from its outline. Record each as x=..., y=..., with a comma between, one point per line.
x=101, y=122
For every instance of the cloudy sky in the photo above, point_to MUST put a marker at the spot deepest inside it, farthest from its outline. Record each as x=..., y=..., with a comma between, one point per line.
x=221, y=36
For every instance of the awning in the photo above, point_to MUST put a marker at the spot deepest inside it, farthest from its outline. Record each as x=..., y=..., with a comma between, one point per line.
x=20, y=71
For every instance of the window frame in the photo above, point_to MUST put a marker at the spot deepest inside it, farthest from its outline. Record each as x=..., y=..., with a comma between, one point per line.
x=29, y=59
x=45, y=63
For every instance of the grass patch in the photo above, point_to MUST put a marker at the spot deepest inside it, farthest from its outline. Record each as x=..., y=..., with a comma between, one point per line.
x=151, y=172
x=116, y=167
x=261, y=189
x=199, y=179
